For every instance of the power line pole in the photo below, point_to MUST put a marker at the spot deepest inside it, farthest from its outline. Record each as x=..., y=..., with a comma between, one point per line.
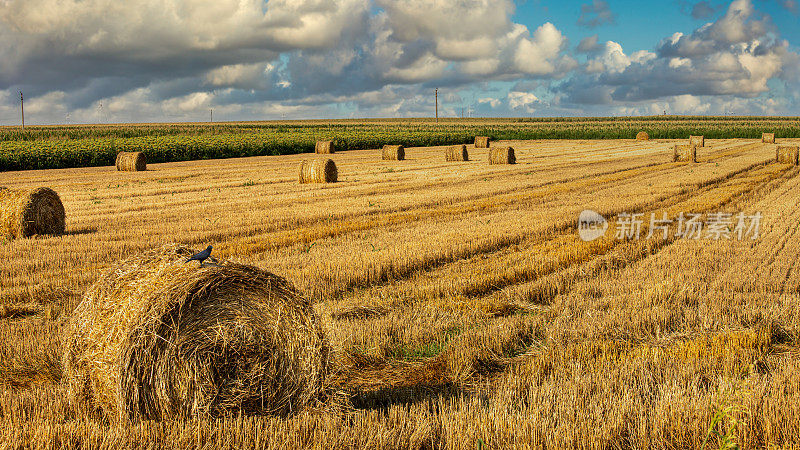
x=212, y=115
x=22, y=108
x=437, y=105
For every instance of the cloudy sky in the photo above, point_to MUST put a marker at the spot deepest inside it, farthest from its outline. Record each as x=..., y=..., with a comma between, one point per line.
x=101, y=61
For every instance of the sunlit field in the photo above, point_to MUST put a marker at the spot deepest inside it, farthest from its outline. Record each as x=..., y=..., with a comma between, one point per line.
x=463, y=307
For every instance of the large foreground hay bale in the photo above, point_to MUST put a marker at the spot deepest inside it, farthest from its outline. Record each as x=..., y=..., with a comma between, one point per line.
x=28, y=213
x=318, y=171
x=788, y=154
x=697, y=141
x=642, y=136
x=393, y=153
x=456, y=153
x=481, y=142
x=686, y=153
x=324, y=148
x=768, y=138
x=158, y=338
x=502, y=155
x=131, y=162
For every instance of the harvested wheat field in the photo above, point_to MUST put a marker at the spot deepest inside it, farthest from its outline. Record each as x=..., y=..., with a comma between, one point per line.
x=451, y=304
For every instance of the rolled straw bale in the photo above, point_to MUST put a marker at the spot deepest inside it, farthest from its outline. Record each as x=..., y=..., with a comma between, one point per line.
x=788, y=154
x=456, y=153
x=642, y=136
x=159, y=338
x=697, y=141
x=685, y=153
x=768, y=138
x=481, y=142
x=393, y=153
x=320, y=170
x=502, y=155
x=324, y=147
x=27, y=213
x=131, y=162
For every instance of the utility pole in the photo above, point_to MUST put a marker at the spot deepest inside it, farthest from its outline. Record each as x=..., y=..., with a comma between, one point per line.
x=212, y=115
x=437, y=104
x=22, y=108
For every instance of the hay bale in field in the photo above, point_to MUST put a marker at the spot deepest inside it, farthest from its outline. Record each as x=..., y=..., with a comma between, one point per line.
x=481, y=142
x=27, y=213
x=642, y=136
x=697, y=141
x=456, y=153
x=686, y=153
x=788, y=154
x=131, y=162
x=768, y=138
x=318, y=171
x=502, y=155
x=324, y=147
x=156, y=338
x=393, y=153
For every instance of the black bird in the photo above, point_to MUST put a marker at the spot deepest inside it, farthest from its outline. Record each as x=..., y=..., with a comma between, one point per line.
x=202, y=256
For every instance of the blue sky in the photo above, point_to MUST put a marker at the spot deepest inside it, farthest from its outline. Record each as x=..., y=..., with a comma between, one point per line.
x=101, y=61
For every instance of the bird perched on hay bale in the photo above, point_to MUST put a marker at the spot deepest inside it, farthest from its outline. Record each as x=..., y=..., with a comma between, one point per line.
x=481, y=142
x=202, y=256
x=642, y=136
x=27, y=213
x=324, y=147
x=393, y=153
x=155, y=338
x=131, y=162
x=502, y=155
x=318, y=171
x=456, y=153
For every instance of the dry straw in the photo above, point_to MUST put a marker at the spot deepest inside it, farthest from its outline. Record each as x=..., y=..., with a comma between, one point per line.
x=318, y=171
x=502, y=155
x=28, y=213
x=481, y=142
x=768, y=138
x=131, y=162
x=159, y=338
x=697, y=141
x=324, y=147
x=788, y=154
x=686, y=153
x=393, y=153
x=642, y=136
x=456, y=153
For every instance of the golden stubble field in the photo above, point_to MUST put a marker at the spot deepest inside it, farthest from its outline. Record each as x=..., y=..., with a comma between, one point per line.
x=468, y=310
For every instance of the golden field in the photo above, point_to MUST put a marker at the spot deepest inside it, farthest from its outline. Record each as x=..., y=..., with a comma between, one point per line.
x=467, y=310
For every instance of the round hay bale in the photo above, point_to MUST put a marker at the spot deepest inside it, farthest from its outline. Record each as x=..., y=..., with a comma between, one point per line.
x=318, y=171
x=768, y=138
x=697, y=141
x=502, y=155
x=456, y=153
x=28, y=213
x=159, y=338
x=686, y=153
x=131, y=162
x=788, y=154
x=393, y=153
x=324, y=147
x=481, y=142
x=642, y=136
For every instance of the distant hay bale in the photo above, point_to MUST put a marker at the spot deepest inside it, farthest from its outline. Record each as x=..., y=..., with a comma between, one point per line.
x=27, y=213
x=687, y=153
x=788, y=154
x=320, y=170
x=324, y=147
x=697, y=141
x=131, y=162
x=768, y=138
x=393, y=153
x=642, y=136
x=481, y=142
x=502, y=155
x=456, y=153
x=158, y=338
